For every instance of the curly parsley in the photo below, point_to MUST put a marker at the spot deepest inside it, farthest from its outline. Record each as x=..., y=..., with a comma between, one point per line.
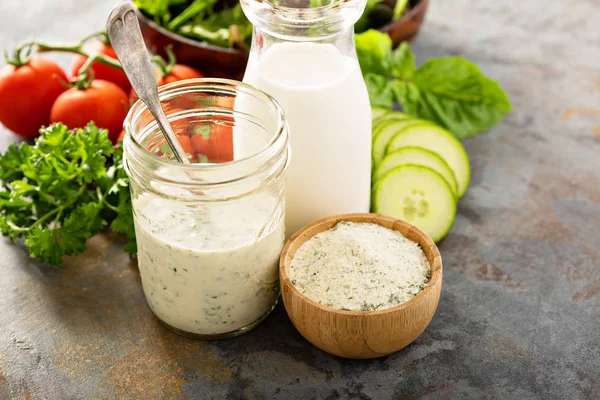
x=63, y=190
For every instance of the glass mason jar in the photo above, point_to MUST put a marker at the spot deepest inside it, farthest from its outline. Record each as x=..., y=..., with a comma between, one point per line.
x=306, y=59
x=209, y=234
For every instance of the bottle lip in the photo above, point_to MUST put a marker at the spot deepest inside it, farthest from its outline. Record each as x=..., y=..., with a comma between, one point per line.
x=281, y=18
x=277, y=144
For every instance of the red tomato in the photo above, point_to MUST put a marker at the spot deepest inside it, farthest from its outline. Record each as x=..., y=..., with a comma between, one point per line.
x=103, y=102
x=121, y=136
x=27, y=93
x=218, y=146
x=102, y=71
x=179, y=72
x=201, y=145
x=186, y=143
x=226, y=102
x=221, y=137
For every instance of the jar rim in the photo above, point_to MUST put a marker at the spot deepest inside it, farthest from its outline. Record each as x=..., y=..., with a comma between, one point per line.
x=171, y=90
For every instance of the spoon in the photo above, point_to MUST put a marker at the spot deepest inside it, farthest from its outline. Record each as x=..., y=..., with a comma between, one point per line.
x=126, y=38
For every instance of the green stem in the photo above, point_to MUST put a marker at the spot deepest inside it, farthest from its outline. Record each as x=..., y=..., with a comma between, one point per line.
x=47, y=198
x=101, y=35
x=110, y=206
x=57, y=219
x=22, y=52
x=78, y=49
x=44, y=218
x=102, y=198
x=165, y=69
x=195, y=8
x=16, y=227
x=85, y=75
x=59, y=209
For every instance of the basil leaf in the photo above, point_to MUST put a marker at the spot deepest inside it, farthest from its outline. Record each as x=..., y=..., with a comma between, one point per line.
x=454, y=93
x=380, y=91
x=403, y=62
x=374, y=51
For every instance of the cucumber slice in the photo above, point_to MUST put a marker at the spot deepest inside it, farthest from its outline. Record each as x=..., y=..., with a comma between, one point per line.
x=394, y=115
x=385, y=133
x=377, y=112
x=418, y=195
x=441, y=142
x=417, y=156
x=389, y=116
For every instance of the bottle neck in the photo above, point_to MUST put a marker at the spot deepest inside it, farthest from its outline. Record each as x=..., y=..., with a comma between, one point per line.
x=320, y=24
x=343, y=40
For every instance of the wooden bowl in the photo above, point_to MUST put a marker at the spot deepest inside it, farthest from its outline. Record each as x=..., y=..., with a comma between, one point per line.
x=213, y=61
x=221, y=62
x=405, y=28
x=358, y=334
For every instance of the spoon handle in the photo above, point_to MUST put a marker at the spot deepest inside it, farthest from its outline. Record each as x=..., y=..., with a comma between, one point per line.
x=126, y=38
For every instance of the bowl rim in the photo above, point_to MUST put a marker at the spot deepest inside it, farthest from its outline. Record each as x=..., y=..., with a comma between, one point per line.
x=191, y=42
x=420, y=7
x=436, y=266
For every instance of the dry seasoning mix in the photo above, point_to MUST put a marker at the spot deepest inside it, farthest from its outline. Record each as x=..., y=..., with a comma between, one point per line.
x=360, y=267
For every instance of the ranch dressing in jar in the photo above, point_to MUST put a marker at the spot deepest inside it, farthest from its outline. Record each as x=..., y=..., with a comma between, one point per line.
x=305, y=58
x=209, y=235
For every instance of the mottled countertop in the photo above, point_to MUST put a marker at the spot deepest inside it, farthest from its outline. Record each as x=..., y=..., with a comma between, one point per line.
x=519, y=316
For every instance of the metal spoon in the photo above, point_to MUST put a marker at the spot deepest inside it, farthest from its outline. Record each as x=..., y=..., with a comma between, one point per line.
x=126, y=38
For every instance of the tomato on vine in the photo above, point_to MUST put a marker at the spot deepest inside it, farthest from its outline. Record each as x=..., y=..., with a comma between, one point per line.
x=89, y=99
x=28, y=88
x=171, y=72
x=101, y=71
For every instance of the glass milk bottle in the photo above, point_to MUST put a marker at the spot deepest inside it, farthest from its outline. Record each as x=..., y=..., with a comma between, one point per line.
x=306, y=59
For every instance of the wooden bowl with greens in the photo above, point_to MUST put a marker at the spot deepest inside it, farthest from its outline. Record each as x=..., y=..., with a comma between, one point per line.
x=401, y=19
x=213, y=36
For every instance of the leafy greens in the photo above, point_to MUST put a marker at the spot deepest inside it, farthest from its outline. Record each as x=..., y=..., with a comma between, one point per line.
x=63, y=190
x=217, y=22
x=451, y=91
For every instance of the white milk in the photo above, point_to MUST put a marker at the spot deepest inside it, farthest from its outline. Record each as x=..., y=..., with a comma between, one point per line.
x=326, y=104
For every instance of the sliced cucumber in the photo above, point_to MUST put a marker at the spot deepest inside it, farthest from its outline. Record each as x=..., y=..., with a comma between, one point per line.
x=387, y=117
x=441, y=142
x=418, y=195
x=377, y=112
x=417, y=156
x=383, y=135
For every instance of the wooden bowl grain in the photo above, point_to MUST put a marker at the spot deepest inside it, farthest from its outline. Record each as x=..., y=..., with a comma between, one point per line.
x=357, y=334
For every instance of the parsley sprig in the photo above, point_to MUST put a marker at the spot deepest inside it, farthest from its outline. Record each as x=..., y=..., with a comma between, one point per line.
x=63, y=190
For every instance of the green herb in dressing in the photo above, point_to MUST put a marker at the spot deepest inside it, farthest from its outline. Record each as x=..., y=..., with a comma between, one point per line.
x=360, y=267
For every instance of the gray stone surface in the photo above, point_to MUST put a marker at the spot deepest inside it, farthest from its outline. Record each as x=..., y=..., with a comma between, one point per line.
x=519, y=316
